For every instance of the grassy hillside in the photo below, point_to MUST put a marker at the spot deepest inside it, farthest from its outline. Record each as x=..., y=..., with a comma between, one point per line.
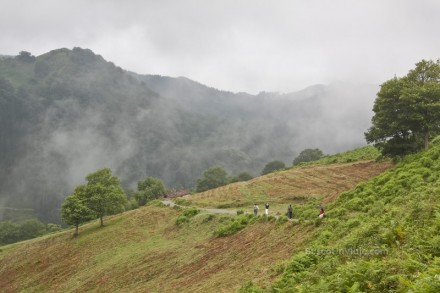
x=321, y=180
x=145, y=251
x=152, y=249
x=382, y=236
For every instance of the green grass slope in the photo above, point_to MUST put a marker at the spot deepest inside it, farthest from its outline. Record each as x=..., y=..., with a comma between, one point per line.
x=381, y=236
x=144, y=250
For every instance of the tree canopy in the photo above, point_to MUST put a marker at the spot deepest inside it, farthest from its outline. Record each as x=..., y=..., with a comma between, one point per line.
x=308, y=155
x=213, y=177
x=148, y=189
x=102, y=195
x=75, y=212
x=273, y=166
x=407, y=111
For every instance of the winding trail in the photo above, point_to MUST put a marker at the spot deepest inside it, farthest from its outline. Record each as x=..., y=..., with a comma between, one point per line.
x=170, y=203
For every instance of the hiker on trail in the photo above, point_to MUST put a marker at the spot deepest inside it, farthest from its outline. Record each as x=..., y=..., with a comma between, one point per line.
x=321, y=213
x=290, y=212
x=255, y=209
x=266, y=211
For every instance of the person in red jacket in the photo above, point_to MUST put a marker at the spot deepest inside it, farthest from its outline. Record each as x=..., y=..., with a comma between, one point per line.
x=321, y=213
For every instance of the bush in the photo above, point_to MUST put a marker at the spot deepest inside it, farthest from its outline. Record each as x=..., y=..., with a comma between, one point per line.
x=131, y=204
x=234, y=226
x=182, y=202
x=355, y=204
x=272, y=167
x=50, y=227
x=249, y=287
x=308, y=155
x=191, y=212
x=186, y=215
x=181, y=220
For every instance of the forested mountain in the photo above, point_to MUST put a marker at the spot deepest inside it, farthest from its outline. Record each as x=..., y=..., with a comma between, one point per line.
x=68, y=112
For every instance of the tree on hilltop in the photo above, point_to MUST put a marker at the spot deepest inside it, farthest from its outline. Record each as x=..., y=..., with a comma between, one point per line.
x=148, y=189
x=272, y=167
x=25, y=56
x=308, y=155
x=407, y=111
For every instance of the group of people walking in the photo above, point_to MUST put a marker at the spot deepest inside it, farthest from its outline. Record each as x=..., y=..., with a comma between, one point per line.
x=289, y=211
x=266, y=209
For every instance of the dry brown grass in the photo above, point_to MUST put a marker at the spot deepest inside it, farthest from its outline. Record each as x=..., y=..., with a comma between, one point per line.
x=323, y=181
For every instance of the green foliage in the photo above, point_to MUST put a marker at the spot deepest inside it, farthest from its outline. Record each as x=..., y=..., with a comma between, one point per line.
x=381, y=236
x=102, y=194
x=75, y=211
x=308, y=155
x=13, y=232
x=131, y=204
x=32, y=228
x=191, y=212
x=236, y=225
x=186, y=216
x=25, y=56
x=407, y=111
x=50, y=227
x=272, y=167
x=213, y=177
x=149, y=189
x=359, y=154
x=250, y=287
x=240, y=177
x=182, y=202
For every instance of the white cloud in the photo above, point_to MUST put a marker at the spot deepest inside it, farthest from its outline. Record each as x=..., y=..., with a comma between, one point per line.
x=248, y=45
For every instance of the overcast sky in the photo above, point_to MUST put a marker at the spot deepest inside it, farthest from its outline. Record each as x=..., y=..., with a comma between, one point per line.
x=235, y=45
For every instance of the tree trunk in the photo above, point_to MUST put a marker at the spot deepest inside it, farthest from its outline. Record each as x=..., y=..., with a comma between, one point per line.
x=102, y=221
x=76, y=231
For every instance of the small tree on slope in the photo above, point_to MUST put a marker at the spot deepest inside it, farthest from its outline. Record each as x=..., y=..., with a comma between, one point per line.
x=75, y=212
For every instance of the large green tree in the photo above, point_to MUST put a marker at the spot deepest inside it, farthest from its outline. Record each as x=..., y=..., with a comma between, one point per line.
x=407, y=111
x=103, y=193
x=213, y=177
x=148, y=189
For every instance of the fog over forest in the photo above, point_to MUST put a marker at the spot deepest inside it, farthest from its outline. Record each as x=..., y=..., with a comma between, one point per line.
x=68, y=113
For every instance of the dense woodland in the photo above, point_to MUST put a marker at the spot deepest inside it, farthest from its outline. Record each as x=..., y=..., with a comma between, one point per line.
x=67, y=113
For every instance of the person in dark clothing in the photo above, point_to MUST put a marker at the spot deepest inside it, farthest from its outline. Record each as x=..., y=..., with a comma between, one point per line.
x=290, y=212
x=255, y=209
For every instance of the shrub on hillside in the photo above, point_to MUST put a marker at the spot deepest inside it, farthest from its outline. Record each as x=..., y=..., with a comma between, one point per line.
x=182, y=202
x=236, y=225
x=308, y=155
x=250, y=287
x=272, y=167
x=186, y=216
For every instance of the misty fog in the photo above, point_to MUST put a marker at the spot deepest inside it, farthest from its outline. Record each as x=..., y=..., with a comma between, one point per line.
x=81, y=113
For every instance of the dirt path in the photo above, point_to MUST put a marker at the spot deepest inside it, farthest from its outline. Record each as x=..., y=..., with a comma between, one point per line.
x=170, y=203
